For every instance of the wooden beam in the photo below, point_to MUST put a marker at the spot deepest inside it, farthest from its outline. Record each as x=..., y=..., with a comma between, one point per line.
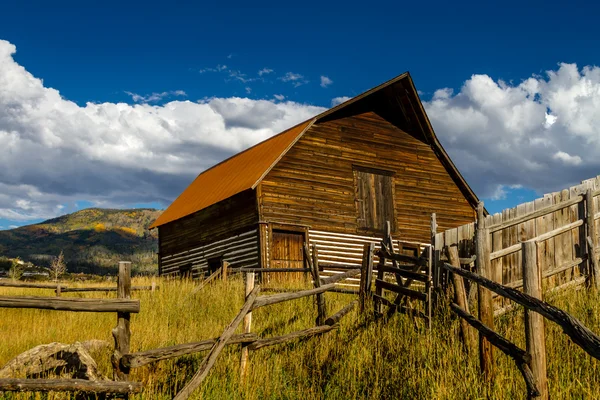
x=534, y=323
x=122, y=332
x=416, y=276
x=105, y=289
x=572, y=327
x=68, y=385
x=485, y=305
x=401, y=290
x=341, y=277
x=281, y=297
x=247, y=326
x=30, y=285
x=535, y=214
x=460, y=298
x=212, y=356
x=520, y=357
x=335, y=318
x=71, y=304
x=141, y=358
x=593, y=267
x=259, y=344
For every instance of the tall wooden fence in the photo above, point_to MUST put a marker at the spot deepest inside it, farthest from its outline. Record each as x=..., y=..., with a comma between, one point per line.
x=559, y=222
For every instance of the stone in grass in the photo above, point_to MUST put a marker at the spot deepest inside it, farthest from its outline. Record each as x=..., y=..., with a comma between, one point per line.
x=54, y=359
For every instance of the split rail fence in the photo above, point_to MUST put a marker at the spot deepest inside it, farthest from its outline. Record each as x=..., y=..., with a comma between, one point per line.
x=123, y=305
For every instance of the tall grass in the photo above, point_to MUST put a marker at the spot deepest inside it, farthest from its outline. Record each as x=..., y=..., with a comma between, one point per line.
x=362, y=359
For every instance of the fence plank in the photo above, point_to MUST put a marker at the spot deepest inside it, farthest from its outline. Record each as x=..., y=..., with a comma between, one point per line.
x=486, y=308
x=534, y=323
x=460, y=298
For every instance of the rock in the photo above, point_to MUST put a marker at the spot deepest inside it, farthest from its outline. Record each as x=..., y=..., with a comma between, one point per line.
x=94, y=345
x=54, y=359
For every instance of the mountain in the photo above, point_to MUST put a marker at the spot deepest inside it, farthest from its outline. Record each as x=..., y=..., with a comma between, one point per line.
x=93, y=240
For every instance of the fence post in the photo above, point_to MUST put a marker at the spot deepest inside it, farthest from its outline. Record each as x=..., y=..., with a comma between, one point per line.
x=58, y=290
x=224, y=270
x=314, y=266
x=486, y=308
x=122, y=332
x=366, y=275
x=593, y=268
x=534, y=322
x=247, y=326
x=460, y=298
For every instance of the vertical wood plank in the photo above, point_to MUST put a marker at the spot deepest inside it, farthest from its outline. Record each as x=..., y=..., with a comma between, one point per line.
x=122, y=332
x=321, y=305
x=593, y=267
x=460, y=298
x=366, y=275
x=247, y=326
x=224, y=270
x=486, y=310
x=534, y=322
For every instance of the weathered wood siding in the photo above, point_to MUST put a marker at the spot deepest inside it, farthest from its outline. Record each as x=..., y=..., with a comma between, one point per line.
x=228, y=228
x=313, y=184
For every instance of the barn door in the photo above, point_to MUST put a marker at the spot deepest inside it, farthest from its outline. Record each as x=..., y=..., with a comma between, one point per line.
x=287, y=252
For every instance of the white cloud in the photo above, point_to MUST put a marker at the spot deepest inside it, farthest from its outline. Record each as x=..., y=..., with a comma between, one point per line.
x=566, y=158
x=154, y=97
x=265, y=71
x=542, y=133
x=325, y=81
x=56, y=152
x=279, y=97
x=248, y=90
x=339, y=100
x=295, y=79
x=218, y=68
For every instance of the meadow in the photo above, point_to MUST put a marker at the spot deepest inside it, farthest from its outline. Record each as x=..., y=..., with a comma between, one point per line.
x=398, y=358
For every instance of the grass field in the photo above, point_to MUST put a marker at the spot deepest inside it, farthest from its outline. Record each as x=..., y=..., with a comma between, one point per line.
x=362, y=359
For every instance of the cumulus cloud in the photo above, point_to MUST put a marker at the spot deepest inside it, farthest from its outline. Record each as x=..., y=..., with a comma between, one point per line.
x=113, y=154
x=325, y=81
x=279, y=97
x=542, y=133
x=339, y=100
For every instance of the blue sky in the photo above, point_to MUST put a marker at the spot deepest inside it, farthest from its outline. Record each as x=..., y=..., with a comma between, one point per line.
x=157, y=57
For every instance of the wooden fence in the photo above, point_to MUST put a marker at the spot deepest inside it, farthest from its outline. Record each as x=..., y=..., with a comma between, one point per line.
x=123, y=305
x=559, y=222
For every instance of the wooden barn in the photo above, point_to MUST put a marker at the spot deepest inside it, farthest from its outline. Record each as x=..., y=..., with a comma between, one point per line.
x=332, y=181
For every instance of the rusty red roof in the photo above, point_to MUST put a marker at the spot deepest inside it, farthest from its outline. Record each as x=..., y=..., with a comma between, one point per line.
x=240, y=172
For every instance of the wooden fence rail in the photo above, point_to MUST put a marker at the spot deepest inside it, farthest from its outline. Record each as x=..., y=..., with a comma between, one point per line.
x=70, y=304
x=123, y=306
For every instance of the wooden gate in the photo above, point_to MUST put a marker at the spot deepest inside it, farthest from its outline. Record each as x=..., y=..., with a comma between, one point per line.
x=286, y=252
x=408, y=277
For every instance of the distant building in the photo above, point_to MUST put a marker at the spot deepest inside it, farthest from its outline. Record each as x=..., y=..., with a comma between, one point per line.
x=332, y=181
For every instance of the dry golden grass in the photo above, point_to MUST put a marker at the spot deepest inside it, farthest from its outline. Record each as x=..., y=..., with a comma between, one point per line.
x=363, y=359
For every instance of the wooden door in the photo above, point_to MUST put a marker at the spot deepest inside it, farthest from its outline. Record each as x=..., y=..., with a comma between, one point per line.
x=286, y=252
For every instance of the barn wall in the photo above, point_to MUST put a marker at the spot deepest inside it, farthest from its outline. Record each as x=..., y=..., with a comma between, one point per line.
x=313, y=184
x=228, y=228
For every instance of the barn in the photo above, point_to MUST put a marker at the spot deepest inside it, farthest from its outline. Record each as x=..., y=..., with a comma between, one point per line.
x=332, y=181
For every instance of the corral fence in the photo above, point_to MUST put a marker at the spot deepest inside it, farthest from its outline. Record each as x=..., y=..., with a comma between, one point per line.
x=544, y=245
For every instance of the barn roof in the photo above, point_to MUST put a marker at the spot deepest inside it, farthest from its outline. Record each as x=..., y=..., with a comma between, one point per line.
x=245, y=170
